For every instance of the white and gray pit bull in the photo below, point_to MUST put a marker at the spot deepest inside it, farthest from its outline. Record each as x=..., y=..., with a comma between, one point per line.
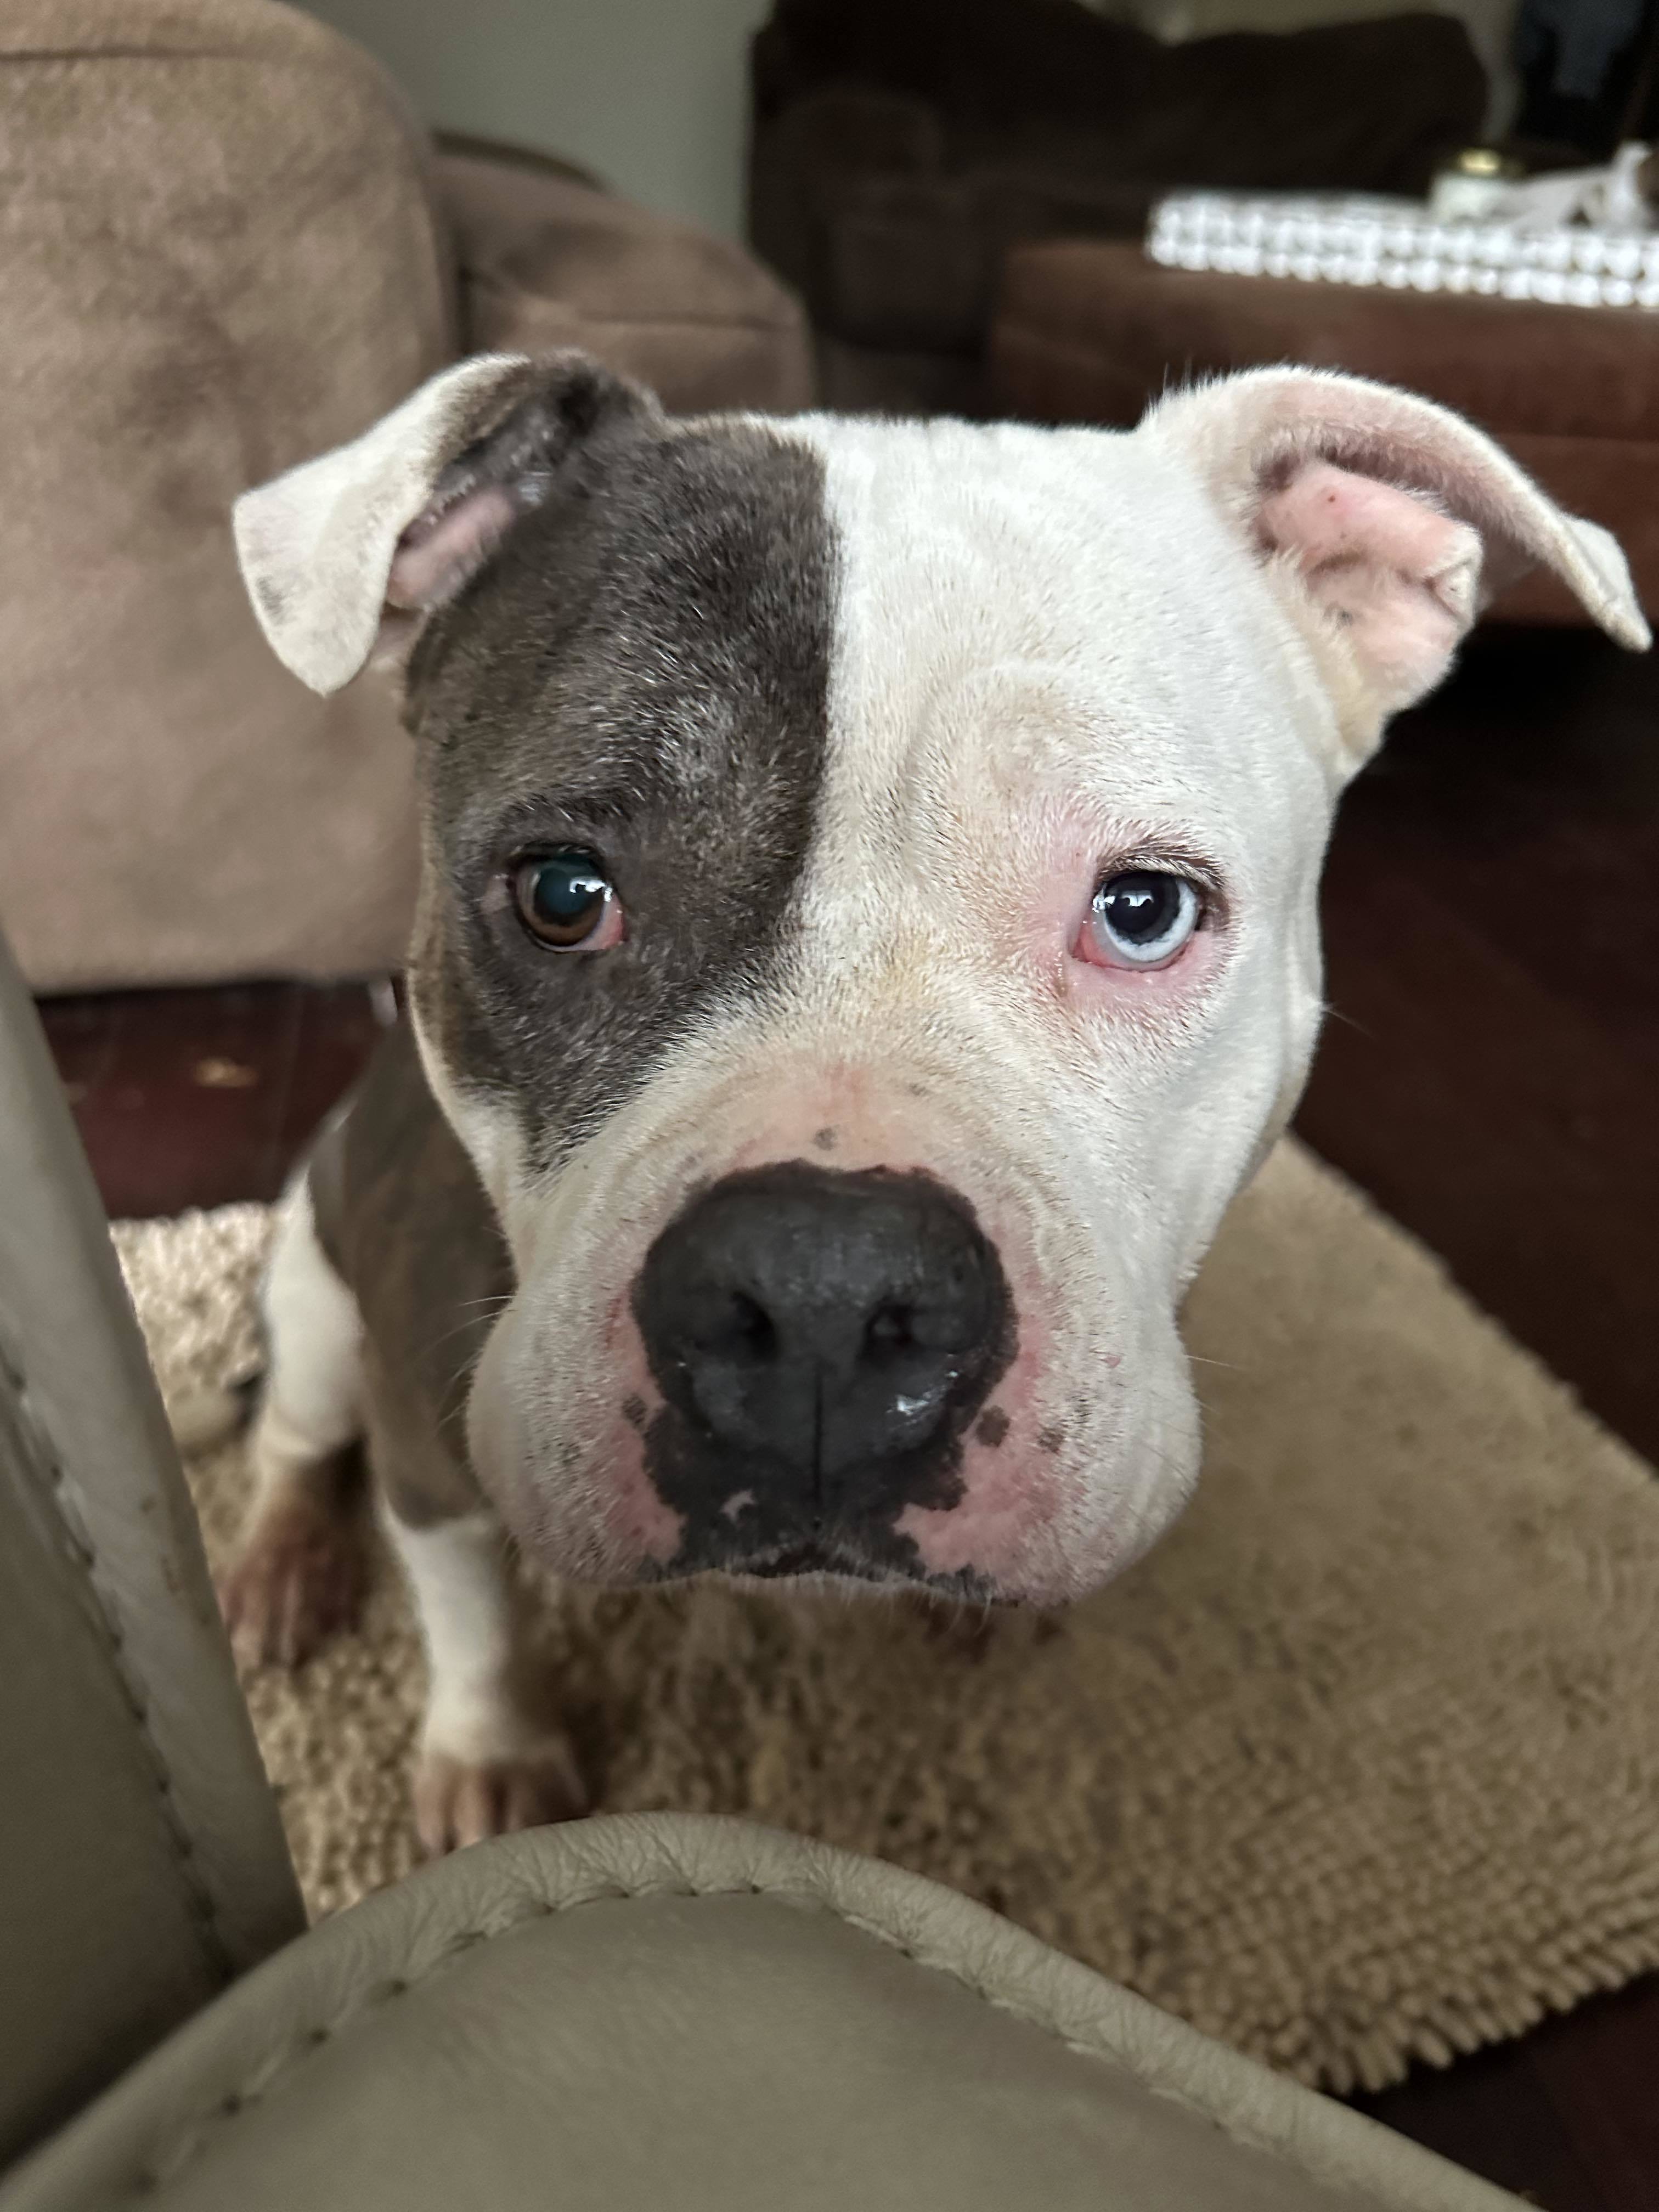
x=866, y=937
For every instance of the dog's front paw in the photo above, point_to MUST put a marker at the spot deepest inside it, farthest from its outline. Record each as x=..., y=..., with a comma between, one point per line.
x=463, y=1800
x=299, y=1578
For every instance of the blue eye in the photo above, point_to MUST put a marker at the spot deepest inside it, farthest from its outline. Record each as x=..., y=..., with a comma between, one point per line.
x=1142, y=918
x=566, y=900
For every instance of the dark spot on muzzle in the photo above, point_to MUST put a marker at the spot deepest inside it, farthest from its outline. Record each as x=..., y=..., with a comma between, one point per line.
x=822, y=1341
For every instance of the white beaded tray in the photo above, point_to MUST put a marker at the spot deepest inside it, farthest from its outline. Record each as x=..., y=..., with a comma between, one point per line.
x=1396, y=244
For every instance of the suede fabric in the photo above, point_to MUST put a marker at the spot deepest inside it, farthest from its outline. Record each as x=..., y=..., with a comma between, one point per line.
x=546, y=261
x=219, y=254
x=1091, y=331
x=224, y=249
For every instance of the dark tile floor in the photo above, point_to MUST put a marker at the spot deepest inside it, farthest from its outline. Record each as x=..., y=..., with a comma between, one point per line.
x=1491, y=1074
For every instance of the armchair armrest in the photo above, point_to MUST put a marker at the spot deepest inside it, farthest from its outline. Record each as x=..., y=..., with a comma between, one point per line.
x=661, y=2010
x=547, y=259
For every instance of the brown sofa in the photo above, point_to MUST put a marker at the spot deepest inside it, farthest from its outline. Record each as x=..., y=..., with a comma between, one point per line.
x=1093, y=331
x=900, y=148
x=224, y=246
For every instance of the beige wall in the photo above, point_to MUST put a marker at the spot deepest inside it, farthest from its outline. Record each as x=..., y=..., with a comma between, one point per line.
x=652, y=94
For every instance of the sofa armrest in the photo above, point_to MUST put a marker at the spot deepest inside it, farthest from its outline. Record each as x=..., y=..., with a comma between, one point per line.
x=547, y=259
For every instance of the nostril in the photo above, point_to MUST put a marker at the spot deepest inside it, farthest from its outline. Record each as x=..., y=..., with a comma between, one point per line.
x=742, y=1330
x=890, y=1330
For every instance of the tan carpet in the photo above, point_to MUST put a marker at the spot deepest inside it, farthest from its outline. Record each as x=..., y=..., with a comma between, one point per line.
x=1362, y=1764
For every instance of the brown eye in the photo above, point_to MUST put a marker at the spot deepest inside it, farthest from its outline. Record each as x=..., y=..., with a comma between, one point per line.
x=567, y=902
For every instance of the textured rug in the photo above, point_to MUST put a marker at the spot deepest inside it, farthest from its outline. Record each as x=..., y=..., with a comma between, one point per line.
x=1360, y=1766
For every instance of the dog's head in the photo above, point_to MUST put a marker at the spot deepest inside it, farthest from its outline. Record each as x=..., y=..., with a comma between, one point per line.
x=868, y=922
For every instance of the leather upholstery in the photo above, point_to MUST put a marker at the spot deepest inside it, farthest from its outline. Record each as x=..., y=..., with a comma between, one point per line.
x=142, y=1863
x=1093, y=331
x=659, y=2010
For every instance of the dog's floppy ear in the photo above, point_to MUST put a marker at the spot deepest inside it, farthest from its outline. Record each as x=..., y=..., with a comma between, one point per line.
x=346, y=555
x=1387, y=522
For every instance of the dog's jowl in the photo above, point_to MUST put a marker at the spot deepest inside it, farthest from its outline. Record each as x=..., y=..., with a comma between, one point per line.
x=866, y=936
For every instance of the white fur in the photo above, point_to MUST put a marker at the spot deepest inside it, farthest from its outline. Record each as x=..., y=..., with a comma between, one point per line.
x=313, y=1404
x=460, y=1576
x=1248, y=438
x=317, y=544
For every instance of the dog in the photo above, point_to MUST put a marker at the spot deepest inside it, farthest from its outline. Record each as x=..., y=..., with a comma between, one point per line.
x=866, y=936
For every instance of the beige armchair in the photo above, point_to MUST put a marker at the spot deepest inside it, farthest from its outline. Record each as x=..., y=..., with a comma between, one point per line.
x=226, y=246
x=620, y=2013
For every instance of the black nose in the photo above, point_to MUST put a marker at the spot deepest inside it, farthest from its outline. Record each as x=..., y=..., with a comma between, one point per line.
x=829, y=1333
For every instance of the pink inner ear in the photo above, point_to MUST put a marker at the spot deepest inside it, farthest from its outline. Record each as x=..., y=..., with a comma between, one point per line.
x=436, y=556
x=1400, y=576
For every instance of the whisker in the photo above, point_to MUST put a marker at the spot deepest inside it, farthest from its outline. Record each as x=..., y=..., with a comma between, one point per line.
x=1335, y=1014
x=437, y=1343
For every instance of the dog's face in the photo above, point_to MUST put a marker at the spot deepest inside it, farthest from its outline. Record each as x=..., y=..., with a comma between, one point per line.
x=867, y=931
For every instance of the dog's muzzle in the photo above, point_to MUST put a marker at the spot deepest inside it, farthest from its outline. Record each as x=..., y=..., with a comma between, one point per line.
x=821, y=1340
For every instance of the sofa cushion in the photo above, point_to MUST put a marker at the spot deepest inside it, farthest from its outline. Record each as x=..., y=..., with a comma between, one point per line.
x=546, y=260
x=1093, y=332
x=218, y=255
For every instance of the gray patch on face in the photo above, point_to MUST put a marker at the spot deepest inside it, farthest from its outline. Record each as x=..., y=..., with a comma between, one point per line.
x=642, y=671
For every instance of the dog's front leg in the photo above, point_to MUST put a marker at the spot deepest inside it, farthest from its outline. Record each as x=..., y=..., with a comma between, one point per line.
x=492, y=1759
